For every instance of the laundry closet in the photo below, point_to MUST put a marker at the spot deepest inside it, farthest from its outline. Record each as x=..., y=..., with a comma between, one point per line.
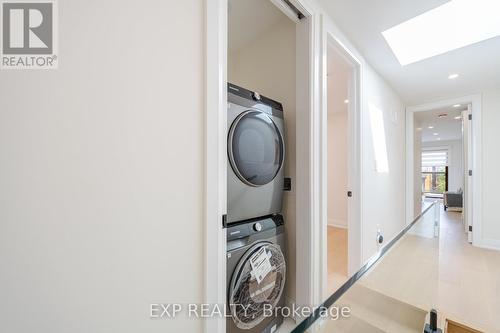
x=261, y=75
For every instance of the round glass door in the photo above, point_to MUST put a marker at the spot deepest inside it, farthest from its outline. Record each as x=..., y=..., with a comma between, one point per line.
x=255, y=148
x=249, y=298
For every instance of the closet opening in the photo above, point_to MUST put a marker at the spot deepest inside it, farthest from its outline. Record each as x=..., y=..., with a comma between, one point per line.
x=268, y=153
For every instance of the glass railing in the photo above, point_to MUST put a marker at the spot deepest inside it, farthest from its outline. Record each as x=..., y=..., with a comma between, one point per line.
x=414, y=273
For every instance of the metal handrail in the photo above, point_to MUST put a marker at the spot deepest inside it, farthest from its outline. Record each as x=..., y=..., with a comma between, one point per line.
x=306, y=323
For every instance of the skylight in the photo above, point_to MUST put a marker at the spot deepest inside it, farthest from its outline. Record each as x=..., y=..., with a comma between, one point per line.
x=456, y=24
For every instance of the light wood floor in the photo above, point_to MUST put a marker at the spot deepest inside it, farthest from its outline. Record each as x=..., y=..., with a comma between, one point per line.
x=447, y=273
x=337, y=258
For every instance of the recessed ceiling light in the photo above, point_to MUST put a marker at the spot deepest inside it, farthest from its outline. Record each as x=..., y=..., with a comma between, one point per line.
x=435, y=134
x=438, y=139
x=346, y=101
x=442, y=29
x=453, y=76
x=457, y=105
x=430, y=127
x=458, y=117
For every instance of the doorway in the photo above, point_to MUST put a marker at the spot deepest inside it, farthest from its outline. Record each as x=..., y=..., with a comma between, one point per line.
x=443, y=161
x=301, y=284
x=343, y=229
x=262, y=58
x=439, y=149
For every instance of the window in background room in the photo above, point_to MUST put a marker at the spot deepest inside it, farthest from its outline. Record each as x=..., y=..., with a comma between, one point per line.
x=434, y=172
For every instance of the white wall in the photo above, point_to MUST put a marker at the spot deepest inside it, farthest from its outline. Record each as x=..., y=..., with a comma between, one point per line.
x=273, y=75
x=491, y=165
x=101, y=172
x=455, y=162
x=337, y=168
x=383, y=193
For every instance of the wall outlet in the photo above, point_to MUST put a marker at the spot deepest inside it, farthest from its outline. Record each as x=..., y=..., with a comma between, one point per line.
x=380, y=237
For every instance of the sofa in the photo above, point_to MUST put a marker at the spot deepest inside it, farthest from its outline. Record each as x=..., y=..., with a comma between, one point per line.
x=453, y=200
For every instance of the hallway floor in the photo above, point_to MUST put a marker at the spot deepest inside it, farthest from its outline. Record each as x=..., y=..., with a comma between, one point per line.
x=447, y=273
x=337, y=258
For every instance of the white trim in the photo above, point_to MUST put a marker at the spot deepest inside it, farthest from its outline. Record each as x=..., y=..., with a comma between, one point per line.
x=476, y=101
x=318, y=148
x=285, y=8
x=354, y=222
x=337, y=223
x=492, y=244
x=466, y=165
x=308, y=106
x=409, y=167
x=215, y=160
x=444, y=103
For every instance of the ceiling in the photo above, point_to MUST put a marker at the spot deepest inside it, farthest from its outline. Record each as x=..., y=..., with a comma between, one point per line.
x=242, y=27
x=447, y=127
x=338, y=71
x=363, y=21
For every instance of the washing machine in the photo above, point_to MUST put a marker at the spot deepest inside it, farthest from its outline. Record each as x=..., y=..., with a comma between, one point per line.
x=256, y=153
x=256, y=275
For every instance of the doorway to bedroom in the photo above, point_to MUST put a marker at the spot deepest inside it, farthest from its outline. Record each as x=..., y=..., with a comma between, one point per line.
x=341, y=100
x=442, y=163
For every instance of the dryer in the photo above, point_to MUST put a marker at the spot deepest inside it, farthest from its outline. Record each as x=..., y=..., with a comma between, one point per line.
x=256, y=153
x=251, y=300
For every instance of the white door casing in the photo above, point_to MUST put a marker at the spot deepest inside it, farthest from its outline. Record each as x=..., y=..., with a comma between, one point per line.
x=475, y=191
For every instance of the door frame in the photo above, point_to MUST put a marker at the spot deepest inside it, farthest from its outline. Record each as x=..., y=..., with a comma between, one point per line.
x=309, y=103
x=354, y=161
x=215, y=172
x=475, y=196
x=309, y=107
x=467, y=160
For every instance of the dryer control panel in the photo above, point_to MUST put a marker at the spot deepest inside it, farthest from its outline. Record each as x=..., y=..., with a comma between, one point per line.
x=254, y=226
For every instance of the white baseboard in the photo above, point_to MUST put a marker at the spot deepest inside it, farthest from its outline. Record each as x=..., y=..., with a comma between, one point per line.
x=337, y=223
x=492, y=244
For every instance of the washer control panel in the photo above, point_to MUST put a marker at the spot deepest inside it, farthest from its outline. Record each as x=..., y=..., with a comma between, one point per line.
x=248, y=228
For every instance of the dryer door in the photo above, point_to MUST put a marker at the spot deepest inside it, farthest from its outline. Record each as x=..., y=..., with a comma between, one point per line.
x=250, y=300
x=255, y=148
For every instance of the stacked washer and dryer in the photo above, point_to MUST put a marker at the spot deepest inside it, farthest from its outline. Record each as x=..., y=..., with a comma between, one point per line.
x=256, y=265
